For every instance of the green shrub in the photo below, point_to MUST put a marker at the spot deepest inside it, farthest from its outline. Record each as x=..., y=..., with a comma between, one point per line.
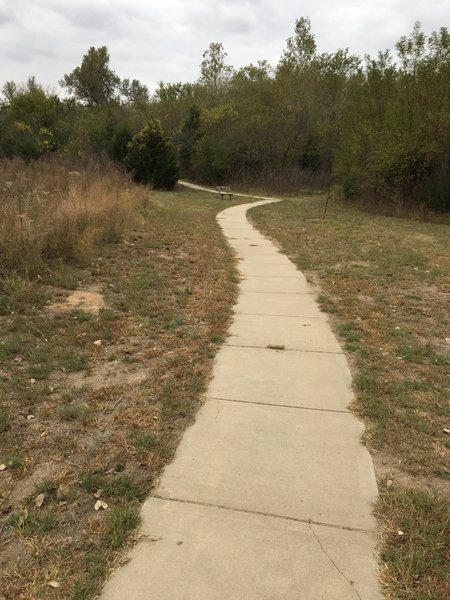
x=151, y=158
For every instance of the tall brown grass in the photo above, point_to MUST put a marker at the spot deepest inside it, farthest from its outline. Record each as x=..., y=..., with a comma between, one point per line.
x=54, y=210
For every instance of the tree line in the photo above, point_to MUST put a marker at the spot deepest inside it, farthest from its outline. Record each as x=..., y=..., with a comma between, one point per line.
x=378, y=128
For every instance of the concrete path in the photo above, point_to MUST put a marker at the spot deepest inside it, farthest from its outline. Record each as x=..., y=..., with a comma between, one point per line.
x=269, y=496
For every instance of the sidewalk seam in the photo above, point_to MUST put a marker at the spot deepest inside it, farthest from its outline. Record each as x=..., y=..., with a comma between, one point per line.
x=272, y=315
x=246, y=276
x=281, y=349
x=281, y=293
x=331, y=410
x=264, y=514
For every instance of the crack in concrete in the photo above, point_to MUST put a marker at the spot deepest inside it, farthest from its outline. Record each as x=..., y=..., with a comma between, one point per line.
x=351, y=583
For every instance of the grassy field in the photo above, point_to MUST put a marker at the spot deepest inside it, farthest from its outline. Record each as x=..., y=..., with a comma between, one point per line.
x=93, y=400
x=385, y=282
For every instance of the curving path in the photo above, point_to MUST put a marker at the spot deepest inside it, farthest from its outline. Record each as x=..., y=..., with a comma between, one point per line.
x=269, y=496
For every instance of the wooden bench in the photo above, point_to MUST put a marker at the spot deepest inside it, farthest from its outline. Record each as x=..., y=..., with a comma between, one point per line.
x=224, y=190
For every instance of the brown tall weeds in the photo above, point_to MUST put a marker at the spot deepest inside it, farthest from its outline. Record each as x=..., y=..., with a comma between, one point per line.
x=50, y=210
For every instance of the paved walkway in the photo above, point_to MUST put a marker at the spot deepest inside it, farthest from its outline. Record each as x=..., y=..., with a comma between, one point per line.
x=269, y=496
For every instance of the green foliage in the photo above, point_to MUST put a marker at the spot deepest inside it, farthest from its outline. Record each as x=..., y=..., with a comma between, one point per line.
x=118, y=148
x=152, y=158
x=73, y=362
x=93, y=82
x=214, y=160
x=310, y=155
x=31, y=121
x=190, y=135
x=378, y=129
x=214, y=70
x=145, y=442
x=395, y=126
x=134, y=91
x=120, y=522
x=301, y=47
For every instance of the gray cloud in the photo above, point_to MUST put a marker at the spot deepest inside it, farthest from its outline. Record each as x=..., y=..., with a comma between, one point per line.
x=156, y=40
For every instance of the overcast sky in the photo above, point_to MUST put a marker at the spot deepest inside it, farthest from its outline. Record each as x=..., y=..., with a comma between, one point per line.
x=153, y=40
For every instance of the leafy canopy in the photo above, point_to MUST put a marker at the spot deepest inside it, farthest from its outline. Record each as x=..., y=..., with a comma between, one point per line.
x=93, y=82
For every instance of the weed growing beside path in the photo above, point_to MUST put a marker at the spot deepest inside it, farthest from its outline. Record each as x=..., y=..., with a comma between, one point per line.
x=51, y=212
x=95, y=397
x=385, y=282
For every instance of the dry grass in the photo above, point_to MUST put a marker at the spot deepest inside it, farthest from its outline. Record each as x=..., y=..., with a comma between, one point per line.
x=415, y=543
x=386, y=283
x=50, y=210
x=168, y=304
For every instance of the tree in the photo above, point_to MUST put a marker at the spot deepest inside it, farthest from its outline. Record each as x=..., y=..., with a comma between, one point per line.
x=190, y=134
x=134, y=91
x=93, y=82
x=9, y=90
x=394, y=130
x=120, y=139
x=32, y=121
x=170, y=92
x=214, y=71
x=301, y=47
x=151, y=157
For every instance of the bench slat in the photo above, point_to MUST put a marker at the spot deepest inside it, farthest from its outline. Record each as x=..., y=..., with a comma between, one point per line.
x=224, y=190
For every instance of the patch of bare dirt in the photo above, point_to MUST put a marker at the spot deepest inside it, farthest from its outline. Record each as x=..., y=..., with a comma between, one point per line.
x=25, y=487
x=89, y=300
x=390, y=467
x=12, y=553
x=103, y=375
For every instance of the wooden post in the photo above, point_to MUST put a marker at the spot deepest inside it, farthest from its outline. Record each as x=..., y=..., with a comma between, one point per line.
x=326, y=205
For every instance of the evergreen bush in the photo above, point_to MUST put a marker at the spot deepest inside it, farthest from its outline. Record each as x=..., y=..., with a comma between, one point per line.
x=151, y=157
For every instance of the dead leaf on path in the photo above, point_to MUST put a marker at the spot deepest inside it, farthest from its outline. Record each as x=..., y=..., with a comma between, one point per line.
x=97, y=343
x=100, y=504
x=54, y=584
x=2, y=467
x=98, y=494
x=39, y=500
